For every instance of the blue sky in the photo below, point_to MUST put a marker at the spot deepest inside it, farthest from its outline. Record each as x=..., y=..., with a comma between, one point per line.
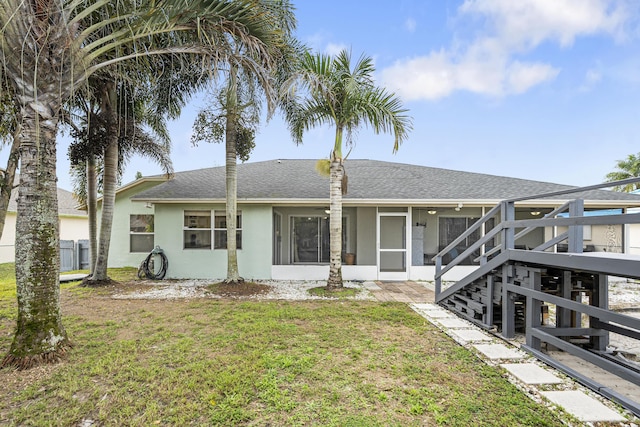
x=538, y=89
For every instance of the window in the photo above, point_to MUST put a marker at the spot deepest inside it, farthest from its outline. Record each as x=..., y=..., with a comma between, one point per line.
x=220, y=230
x=197, y=229
x=311, y=239
x=140, y=233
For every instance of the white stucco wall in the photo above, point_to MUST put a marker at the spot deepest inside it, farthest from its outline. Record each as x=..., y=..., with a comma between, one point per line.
x=7, y=243
x=71, y=228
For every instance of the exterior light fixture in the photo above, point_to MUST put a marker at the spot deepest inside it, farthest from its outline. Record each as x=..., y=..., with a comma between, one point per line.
x=457, y=208
x=149, y=205
x=535, y=213
x=432, y=211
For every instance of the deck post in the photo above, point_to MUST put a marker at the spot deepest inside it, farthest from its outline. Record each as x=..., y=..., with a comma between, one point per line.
x=489, y=312
x=438, y=288
x=599, y=298
x=563, y=315
x=575, y=240
x=533, y=310
x=508, y=213
x=508, y=305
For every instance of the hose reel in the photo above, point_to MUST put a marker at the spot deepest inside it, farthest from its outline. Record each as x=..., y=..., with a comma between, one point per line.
x=147, y=266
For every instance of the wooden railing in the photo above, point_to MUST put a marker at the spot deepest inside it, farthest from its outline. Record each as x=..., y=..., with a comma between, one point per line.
x=505, y=228
x=523, y=275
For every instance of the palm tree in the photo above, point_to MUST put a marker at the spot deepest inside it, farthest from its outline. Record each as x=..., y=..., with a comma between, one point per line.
x=236, y=114
x=232, y=118
x=346, y=98
x=48, y=50
x=627, y=168
x=90, y=144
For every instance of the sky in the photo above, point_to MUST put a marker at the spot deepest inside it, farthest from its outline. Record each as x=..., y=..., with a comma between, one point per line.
x=547, y=90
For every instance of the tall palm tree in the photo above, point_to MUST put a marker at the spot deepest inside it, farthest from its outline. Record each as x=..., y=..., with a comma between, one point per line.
x=90, y=145
x=48, y=50
x=627, y=168
x=347, y=98
x=236, y=114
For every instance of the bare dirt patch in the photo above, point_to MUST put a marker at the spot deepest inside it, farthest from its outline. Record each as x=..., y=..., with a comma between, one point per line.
x=238, y=290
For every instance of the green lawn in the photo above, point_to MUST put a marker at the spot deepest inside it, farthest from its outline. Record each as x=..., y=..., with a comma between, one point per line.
x=222, y=362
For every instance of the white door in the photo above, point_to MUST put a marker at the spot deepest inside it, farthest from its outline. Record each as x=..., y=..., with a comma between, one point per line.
x=393, y=235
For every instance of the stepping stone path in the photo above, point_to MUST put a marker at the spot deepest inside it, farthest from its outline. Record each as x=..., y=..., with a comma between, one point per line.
x=522, y=367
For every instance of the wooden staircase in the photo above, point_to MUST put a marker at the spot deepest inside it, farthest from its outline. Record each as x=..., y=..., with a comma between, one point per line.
x=512, y=289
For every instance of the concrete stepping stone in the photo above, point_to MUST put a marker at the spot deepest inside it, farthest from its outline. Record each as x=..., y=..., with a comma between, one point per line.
x=499, y=351
x=469, y=335
x=582, y=406
x=426, y=306
x=453, y=323
x=530, y=373
x=439, y=314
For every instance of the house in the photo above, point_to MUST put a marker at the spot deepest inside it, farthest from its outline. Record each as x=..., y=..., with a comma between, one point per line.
x=396, y=217
x=74, y=223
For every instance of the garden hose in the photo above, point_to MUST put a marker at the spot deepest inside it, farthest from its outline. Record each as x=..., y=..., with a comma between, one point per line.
x=146, y=269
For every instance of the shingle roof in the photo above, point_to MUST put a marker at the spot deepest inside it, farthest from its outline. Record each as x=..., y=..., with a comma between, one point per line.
x=368, y=180
x=67, y=204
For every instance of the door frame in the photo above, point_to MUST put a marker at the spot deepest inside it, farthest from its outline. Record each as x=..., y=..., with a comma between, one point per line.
x=394, y=275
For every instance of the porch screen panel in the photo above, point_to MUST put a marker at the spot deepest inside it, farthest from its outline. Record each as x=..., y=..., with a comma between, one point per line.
x=449, y=229
x=305, y=239
x=311, y=239
x=393, y=244
x=393, y=262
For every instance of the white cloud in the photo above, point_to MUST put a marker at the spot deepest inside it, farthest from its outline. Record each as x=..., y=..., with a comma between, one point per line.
x=487, y=65
x=520, y=77
x=410, y=25
x=591, y=78
x=527, y=23
x=438, y=75
x=333, y=49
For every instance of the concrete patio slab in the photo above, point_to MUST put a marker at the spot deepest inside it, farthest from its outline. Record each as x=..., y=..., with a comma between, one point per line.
x=371, y=286
x=530, y=373
x=499, y=351
x=582, y=406
x=469, y=335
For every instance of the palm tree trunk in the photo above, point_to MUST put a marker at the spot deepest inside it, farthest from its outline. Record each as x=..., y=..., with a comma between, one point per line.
x=109, y=183
x=40, y=336
x=6, y=184
x=335, y=223
x=92, y=212
x=233, y=276
x=231, y=173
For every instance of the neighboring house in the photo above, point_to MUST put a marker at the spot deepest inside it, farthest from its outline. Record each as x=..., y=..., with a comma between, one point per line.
x=396, y=217
x=74, y=224
x=634, y=231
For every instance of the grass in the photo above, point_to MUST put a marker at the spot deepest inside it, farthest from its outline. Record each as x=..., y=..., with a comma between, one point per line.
x=228, y=362
x=322, y=291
